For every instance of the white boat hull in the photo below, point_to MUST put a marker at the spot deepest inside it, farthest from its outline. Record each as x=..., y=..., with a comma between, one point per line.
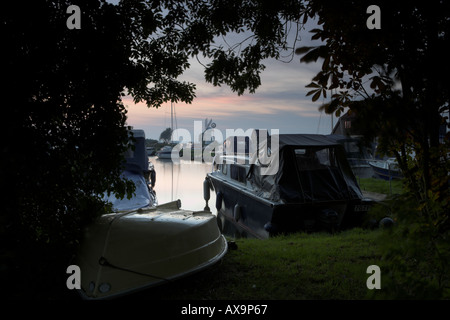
x=386, y=169
x=164, y=155
x=126, y=252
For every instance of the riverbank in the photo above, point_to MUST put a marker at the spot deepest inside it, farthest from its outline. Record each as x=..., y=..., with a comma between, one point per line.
x=297, y=266
x=292, y=267
x=380, y=187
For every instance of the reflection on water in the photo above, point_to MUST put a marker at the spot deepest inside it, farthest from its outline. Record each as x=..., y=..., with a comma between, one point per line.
x=182, y=181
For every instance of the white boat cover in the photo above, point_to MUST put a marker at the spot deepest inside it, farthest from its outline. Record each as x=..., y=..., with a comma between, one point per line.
x=140, y=199
x=136, y=164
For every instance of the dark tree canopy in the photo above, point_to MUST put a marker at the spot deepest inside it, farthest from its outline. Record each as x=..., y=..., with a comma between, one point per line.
x=64, y=131
x=64, y=87
x=396, y=80
x=64, y=122
x=166, y=135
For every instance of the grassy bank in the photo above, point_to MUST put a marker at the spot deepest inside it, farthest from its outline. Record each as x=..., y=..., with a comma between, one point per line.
x=298, y=266
x=381, y=186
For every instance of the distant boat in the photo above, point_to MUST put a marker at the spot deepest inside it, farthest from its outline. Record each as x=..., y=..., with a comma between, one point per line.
x=164, y=153
x=141, y=244
x=150, y=151
x=386, y=169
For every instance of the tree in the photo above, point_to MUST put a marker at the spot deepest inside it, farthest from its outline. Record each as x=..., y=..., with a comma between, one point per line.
x=63, y=94
x=65, y=86
x=64, y=89
x=396, y=80
x=166, y=135
x=64, y=134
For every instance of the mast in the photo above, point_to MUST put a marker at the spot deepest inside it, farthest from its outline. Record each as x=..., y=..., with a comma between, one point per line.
x=171, y=119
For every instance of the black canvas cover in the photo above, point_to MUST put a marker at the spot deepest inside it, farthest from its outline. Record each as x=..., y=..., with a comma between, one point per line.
x=305, y=140
x=311, y=168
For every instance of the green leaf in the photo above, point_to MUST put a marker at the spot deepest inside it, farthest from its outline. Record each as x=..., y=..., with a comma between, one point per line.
x=311, y=92
x=311, y=56
x=316, y=96
x=313, y=85
x=317, y=34
x=303, y=50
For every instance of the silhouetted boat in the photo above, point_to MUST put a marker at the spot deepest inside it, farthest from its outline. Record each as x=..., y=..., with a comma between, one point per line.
x=141, y=244
x=313, y=188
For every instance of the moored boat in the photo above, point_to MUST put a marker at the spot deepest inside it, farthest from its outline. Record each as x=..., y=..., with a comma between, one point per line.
x=141, y=244
x=386, y=169
x=150, y=151
x=313, y=188
x=164, y=153
x=128, y=251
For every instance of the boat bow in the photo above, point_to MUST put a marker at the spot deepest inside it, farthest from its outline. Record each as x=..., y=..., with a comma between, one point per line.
x=129, y=251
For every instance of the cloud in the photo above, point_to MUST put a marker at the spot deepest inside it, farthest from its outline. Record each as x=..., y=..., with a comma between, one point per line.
x=279, y=103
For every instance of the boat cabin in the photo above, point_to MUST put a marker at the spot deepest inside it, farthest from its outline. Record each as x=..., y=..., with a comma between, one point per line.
x=311, y=186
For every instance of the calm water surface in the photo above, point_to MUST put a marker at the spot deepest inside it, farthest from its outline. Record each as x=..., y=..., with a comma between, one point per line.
x=182, y=181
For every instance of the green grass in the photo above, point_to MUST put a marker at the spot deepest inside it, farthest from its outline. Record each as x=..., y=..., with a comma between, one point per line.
x=298, y=266
x=381, y=186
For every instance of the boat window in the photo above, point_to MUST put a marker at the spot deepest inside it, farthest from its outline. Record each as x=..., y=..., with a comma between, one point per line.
x=326, y=157
x=313, y=158
x=237, y=173
x=319, y=174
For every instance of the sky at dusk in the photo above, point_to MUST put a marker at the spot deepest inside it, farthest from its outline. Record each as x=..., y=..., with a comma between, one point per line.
x=279, y=103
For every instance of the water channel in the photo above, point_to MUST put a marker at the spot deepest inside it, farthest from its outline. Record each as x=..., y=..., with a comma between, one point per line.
x=182, y=181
